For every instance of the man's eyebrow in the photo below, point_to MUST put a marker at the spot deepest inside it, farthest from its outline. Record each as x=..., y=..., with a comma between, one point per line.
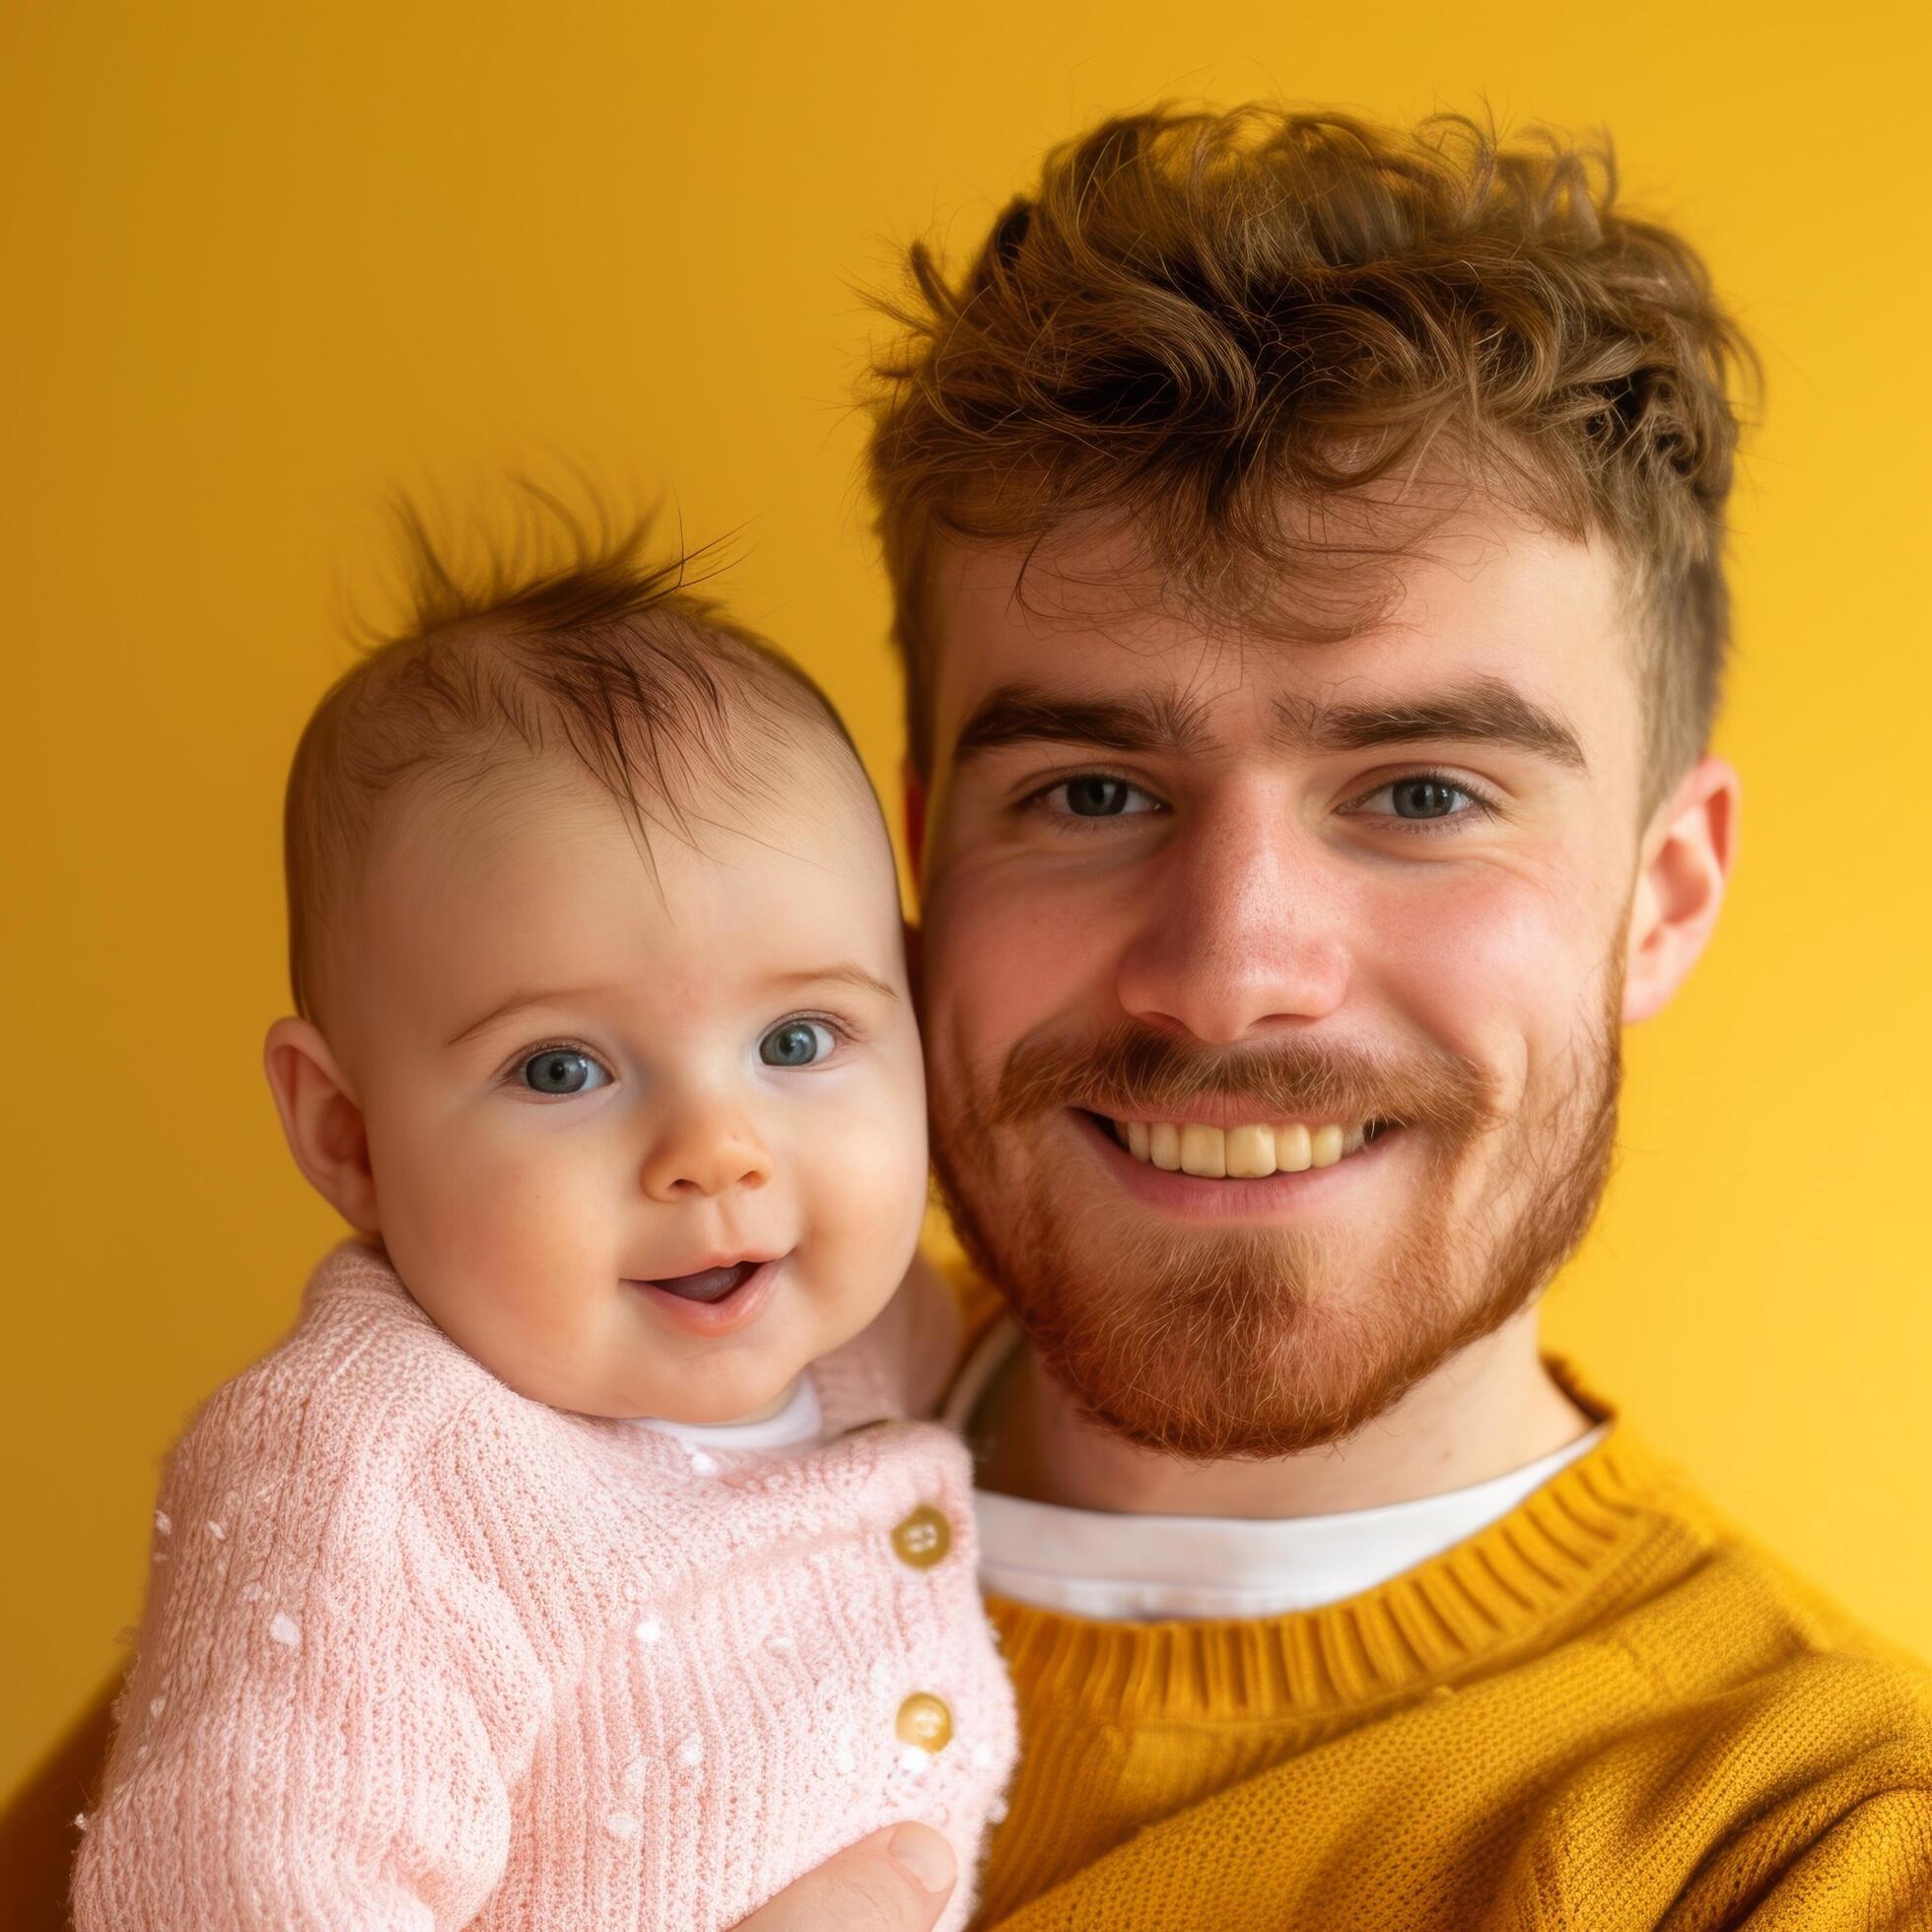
x=1023, y=714
x=847, y=974
x=1487, y=710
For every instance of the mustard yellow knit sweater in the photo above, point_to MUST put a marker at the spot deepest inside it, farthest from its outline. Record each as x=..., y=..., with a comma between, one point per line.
x=1607, y=1709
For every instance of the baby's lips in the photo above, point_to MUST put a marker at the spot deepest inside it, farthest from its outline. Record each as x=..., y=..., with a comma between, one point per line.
x=708, y=1284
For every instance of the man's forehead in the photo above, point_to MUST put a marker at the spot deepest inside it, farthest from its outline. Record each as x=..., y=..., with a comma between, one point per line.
x=1518, y=634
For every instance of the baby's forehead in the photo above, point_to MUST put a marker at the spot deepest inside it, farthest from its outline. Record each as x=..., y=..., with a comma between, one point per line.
x=610, y=672
x=537, y=886
x=803, y=811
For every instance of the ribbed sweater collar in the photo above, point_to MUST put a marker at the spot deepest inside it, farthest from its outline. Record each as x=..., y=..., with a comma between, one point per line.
x=1613, y=1524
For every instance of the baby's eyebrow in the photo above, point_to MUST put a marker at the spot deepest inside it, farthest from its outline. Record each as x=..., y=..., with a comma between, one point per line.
x=573, y=995
x=847, y=974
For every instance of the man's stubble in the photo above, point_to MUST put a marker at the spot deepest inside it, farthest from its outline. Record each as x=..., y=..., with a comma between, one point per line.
x=1208, y=1344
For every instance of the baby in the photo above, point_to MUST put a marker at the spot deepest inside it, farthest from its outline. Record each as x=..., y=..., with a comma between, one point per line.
x=574, y=1562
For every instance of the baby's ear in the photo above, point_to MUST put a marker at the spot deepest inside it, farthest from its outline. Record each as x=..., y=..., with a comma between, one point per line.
x=323, y=1124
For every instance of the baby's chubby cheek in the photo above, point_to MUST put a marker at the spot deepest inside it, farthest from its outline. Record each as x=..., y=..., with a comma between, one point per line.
x=862, y=1194
x=506, y=1251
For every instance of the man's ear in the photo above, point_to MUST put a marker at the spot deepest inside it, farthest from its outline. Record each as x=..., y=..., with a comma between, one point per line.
x=1688, y=850
x=912, y=802
x=322, y=1122
x=916, y=967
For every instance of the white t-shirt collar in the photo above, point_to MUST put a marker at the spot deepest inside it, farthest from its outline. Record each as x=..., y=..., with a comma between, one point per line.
x=800, y=1421
x=1117, y=1567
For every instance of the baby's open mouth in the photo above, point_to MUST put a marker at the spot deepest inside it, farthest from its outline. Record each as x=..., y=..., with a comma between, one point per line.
x=708, y=1284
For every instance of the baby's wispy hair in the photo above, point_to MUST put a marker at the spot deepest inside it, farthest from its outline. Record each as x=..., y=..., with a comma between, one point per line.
x=576, y=639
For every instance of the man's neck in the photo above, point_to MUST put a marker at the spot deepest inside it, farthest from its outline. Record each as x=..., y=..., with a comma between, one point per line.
x=1490, y=1410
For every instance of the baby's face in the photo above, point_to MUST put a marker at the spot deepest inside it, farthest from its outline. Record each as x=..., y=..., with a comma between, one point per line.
x=647, y=1135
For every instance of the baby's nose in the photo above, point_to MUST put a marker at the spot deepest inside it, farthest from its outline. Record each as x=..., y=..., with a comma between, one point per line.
x=706, y=1158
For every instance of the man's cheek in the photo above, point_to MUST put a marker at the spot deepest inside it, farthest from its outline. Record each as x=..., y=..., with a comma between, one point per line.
x=1488, y=970
x=1004, y=962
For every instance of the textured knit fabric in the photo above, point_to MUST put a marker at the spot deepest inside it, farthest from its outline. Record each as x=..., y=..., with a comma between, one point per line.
x=420, y=1653
x=1123, y=1568
x=1606, y=1711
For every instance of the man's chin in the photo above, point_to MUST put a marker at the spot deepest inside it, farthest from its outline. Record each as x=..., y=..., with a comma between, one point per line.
x=1230, y=1345
x=1193, y=1337
x=1211, y=1343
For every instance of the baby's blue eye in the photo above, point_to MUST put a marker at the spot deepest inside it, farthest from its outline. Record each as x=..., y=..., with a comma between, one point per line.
x=796, y=1043
x=561, y=1069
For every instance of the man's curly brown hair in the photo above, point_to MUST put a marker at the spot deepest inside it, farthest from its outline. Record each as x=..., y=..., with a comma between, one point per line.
x=1197, y=317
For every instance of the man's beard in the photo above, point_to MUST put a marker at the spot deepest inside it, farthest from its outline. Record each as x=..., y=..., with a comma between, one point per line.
x=1209, y=1344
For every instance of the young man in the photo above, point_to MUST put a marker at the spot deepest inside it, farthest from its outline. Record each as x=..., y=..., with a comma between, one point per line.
x=1306, y=541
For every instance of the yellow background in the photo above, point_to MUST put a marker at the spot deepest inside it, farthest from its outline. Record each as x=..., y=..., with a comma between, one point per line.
x=263, y=263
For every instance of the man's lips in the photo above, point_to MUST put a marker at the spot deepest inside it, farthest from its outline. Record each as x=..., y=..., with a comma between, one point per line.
x=1237, y=1139
x=1232, y=1111
x=1225, y=1195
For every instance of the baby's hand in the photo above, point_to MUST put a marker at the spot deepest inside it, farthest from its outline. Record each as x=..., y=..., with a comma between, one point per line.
x=896, y=1881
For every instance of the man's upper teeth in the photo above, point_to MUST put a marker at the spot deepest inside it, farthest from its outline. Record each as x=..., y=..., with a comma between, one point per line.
x=1239, y=1152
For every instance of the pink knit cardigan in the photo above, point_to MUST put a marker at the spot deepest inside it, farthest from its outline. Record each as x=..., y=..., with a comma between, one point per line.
x=419, y=1652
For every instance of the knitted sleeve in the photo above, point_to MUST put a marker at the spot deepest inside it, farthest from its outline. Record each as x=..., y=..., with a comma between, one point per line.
x=302, y=1743
x=1829, y=1858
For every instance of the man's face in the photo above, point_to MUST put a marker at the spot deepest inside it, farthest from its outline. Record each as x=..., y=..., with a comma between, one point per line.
x=1355, y=911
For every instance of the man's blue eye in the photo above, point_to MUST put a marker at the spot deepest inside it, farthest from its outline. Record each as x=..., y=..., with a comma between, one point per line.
x=1424, y=797
x=796, y=1043
x=558, y=1069
x=1093, y=794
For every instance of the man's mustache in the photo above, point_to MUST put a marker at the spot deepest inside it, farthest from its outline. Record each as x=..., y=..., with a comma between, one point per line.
x=1134, y=1070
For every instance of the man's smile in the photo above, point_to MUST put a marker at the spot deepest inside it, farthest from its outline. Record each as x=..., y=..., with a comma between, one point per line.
x=1193, y=1168
x=1248, y=1151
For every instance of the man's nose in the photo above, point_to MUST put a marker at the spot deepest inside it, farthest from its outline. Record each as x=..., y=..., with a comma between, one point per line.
x=1240, y=930
x=706, y=1150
